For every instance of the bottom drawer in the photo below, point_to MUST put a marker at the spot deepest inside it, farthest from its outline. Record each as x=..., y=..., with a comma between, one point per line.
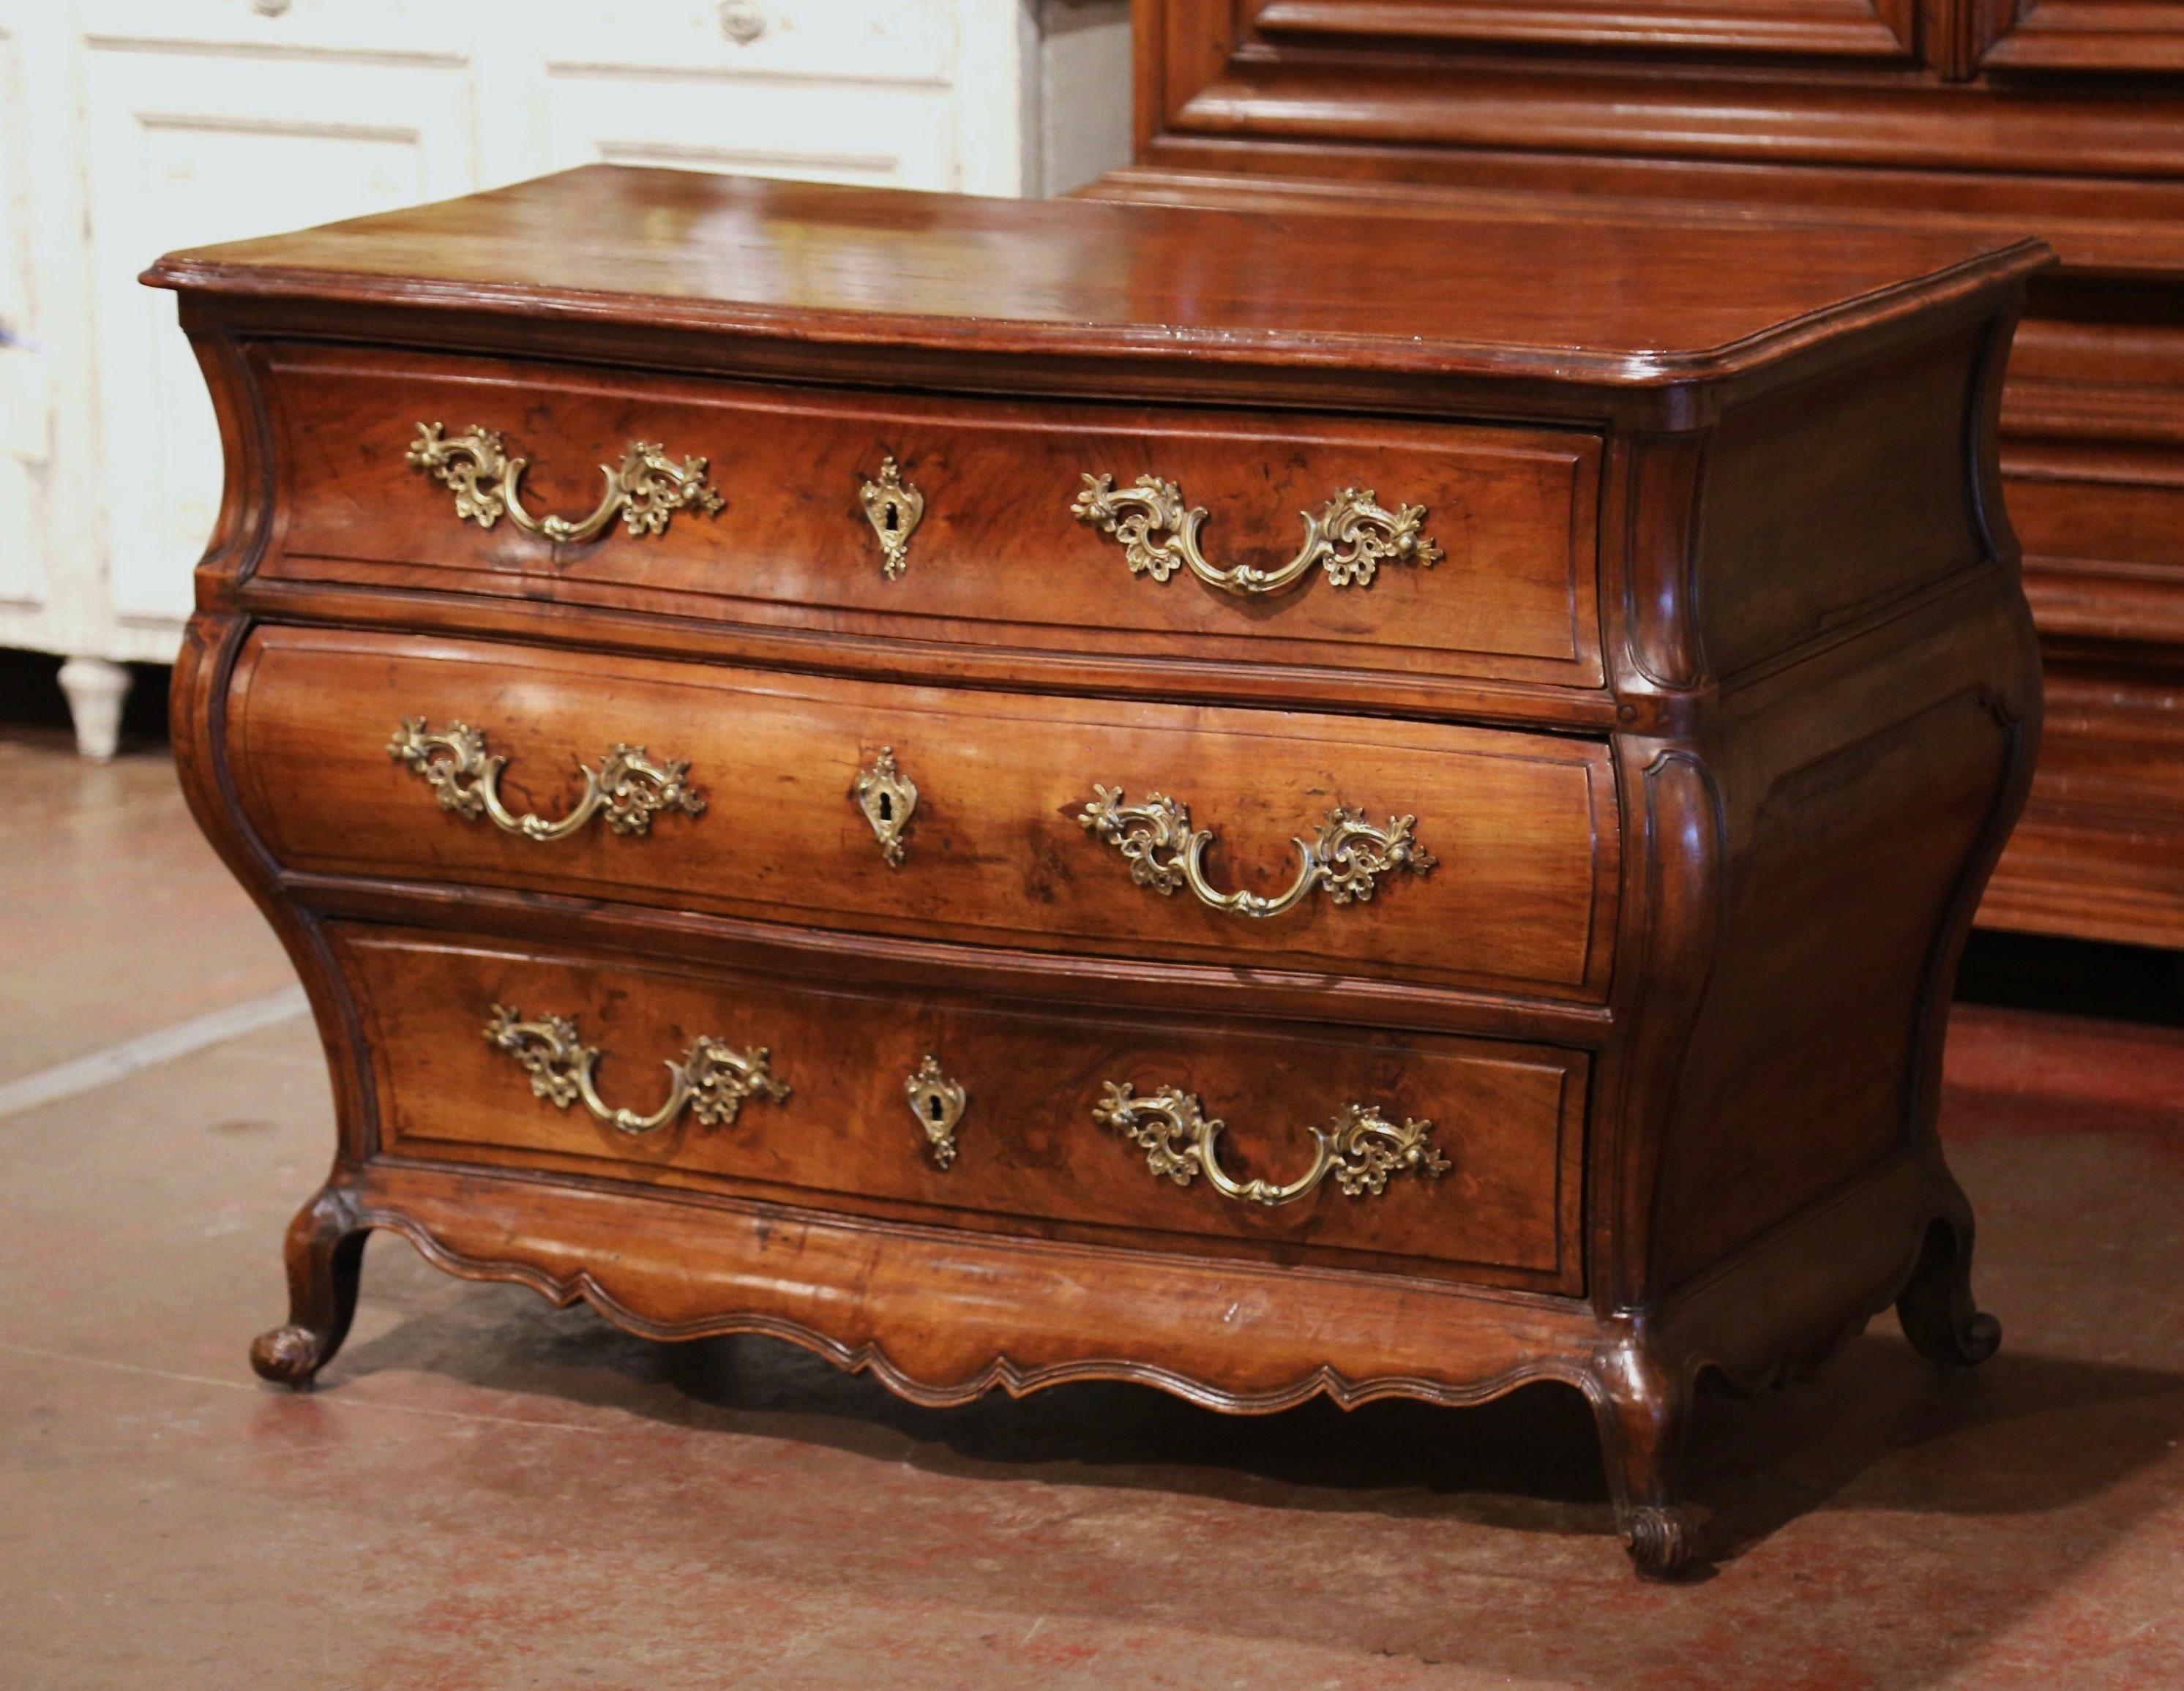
x=1447, y=1156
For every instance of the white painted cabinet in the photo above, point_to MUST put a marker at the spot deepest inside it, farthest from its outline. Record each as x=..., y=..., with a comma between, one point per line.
x=130, y=127
x=189, y=145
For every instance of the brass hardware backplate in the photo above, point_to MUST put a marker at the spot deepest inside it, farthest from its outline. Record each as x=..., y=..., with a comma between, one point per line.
x=1349, y=536
x=894, y=509
x=937, y=1104
x=1361, y=1148
x=888, y=798
x=712, y=1079
x=645, y=491
x=1165, y=851
x=628, y=785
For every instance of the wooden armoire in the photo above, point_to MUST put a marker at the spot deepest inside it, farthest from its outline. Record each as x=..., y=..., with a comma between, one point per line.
x=2063, y=118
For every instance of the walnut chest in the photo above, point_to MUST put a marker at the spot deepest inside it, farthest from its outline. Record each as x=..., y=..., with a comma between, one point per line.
x=1023, y=792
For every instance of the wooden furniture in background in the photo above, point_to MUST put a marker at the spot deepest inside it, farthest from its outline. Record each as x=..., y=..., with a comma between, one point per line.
x=128, y=127
x=1098, y=923
x=1984, y=117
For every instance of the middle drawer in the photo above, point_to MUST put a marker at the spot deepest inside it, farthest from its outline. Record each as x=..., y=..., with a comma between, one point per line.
x=1414, y=852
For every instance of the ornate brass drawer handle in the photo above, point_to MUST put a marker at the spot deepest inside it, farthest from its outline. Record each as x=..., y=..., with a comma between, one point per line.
x=628, y=785
x=1165, y=851
x=1350, y=536
x=646, y=489
x=1361, y=1150
x=711, y=1081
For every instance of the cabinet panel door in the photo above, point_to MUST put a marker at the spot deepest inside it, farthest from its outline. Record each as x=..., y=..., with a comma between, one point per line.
x=878, y=135
x=185, y=149
x=840, y=40
x=2123, y=36
x=832, y=90
x=1833, y=29
x=409, y=28
x=24, y=412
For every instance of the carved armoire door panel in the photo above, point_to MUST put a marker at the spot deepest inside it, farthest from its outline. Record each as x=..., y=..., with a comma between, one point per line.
x=2136, y=36
x=1865, y=30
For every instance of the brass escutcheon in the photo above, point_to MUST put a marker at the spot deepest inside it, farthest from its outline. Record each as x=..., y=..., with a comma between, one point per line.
x=894, y=509
x=888, y=798
x=937, y=1104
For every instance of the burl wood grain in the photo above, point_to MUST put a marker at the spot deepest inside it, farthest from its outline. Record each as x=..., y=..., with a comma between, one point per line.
x=1030, y=1158
x=1525, y=827
x=998, y=558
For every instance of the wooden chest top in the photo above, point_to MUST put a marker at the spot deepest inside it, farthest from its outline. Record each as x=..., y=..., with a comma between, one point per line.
x=1630, y=307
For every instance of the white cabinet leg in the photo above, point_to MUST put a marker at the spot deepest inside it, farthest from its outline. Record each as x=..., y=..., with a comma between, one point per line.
x=95, y=690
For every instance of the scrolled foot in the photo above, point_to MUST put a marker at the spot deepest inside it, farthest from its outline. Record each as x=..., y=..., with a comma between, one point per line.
x=1659, y=1540
x=1939, y=1317
x=1954, y=1342
x=325, y=1255
x=1642, y=1401
x=288, y=1356
x=1980, y=1338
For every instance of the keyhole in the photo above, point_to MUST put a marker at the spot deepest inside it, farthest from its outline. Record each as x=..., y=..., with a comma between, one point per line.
x=887, y=807
x=933, y=1108
x=892, y=515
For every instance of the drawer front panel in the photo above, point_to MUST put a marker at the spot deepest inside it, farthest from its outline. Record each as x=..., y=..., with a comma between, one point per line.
x=869, y=41
x=997, y=557
x=993, y=851
x=1029, y=1153
x=410, y=28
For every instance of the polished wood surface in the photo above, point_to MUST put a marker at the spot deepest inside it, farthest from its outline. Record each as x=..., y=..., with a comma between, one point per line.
x=691, y=250
x=1674, y=992
x=1980, y=118
x=997, y=558
x=1524, y=826
x=1861, y=29
x=1031, y=1159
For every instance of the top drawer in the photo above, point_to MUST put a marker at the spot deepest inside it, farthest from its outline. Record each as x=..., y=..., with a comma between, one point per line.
x=1000, y=546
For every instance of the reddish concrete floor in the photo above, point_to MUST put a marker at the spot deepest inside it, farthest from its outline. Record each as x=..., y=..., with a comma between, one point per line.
x=487, y=1493
x=104, y=877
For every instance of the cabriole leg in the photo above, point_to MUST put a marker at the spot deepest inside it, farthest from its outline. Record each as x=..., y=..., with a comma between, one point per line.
x=326, y=1257
x=1644, y=1410
x=1939, y=1317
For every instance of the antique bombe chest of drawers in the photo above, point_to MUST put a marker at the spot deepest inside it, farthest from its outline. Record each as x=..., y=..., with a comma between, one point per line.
x=1021, y=793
